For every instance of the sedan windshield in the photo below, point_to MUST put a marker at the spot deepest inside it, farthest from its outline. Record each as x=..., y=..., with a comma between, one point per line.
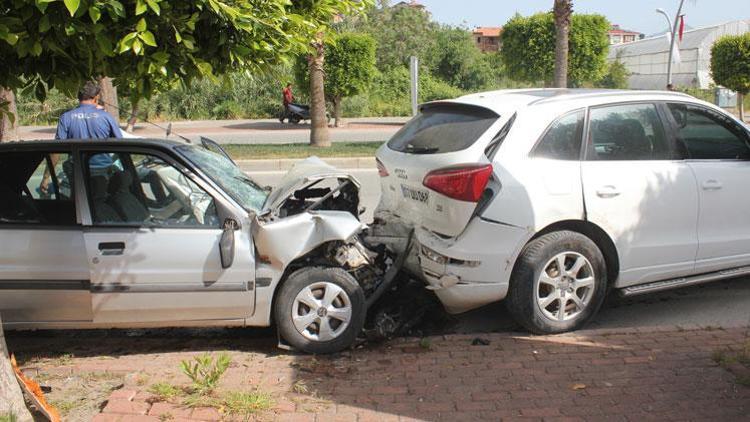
x=228, y=176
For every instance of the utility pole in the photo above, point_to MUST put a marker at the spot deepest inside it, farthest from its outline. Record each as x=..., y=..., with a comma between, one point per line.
x=672, y=26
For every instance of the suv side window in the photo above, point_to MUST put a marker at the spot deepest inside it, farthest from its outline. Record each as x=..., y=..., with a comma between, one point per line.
x=562, y=141
x=36, y=187
x=627, y=132
x=143, y=189
x=704, y=134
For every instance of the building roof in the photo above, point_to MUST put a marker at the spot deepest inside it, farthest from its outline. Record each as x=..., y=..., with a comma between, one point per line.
x=692, y=39
x=616, y=30
x=488, y=31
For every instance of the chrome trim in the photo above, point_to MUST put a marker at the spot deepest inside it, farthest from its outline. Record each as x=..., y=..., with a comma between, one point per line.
x=675, y=283
x=171, y=288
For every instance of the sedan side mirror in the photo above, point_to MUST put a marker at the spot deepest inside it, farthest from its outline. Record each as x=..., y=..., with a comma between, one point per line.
x=226, y=244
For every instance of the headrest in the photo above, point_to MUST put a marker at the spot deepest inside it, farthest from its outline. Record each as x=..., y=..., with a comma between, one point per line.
x=121, y=182
x=98, y=187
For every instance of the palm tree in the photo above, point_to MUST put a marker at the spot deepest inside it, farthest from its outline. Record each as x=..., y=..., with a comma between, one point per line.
x=8, y=116
x=562, y=11
x=319, y=136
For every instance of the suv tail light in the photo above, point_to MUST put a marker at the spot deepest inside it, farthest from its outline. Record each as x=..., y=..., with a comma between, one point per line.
x=465, y=183
x=381, y=168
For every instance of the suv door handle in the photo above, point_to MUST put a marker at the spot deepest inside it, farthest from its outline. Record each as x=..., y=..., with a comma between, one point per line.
x=607, y=191
x=711, y=185
x=111, y=248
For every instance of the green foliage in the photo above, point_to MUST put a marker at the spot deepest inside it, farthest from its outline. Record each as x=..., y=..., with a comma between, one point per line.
x=400, y=32
x=8, y=417
x=529, y=48
x=205, y=372
x=458, y=61
x=145, y=44
x=616, y=76
x=730, y=62
x=349, y=65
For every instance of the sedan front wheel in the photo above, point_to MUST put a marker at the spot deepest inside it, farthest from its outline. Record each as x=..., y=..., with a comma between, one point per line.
x=320, y=310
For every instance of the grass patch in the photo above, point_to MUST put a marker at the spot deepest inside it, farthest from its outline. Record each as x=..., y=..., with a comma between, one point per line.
x=271, y=151
x=8, y=417
x=165, y=391
x=245, y=404
x=730, y=360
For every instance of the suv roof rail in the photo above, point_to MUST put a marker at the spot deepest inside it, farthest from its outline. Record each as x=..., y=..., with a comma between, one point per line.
x=567, y=95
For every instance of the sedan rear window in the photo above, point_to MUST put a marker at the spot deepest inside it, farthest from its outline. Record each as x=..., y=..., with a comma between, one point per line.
x=441, y=128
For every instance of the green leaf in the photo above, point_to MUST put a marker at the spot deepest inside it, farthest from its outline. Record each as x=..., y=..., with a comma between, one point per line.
x=137, y=47
x=141, y=25
x=36, y=49
x=177, y=36
x=72, y=6
x=44, y=24
x=148, y=38
x=154, y=5
x=140, y=7
x=95, y=14
x=11, y=39
x=116, y=8
x=160, y=56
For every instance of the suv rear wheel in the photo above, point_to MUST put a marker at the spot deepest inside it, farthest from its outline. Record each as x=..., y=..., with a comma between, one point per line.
x=558, y=284
x=320, y=310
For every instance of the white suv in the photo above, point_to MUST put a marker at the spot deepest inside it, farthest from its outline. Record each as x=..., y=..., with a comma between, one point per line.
x=549, y=198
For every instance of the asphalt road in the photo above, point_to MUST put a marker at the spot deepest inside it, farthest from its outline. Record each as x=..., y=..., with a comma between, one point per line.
x=725, y=303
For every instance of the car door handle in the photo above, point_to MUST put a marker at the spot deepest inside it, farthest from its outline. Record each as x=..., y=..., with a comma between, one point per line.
x=111, y=248
x=607, y=191
x=711, y=185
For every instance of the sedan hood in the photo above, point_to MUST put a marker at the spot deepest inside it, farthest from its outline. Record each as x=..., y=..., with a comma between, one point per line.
x=302, y=175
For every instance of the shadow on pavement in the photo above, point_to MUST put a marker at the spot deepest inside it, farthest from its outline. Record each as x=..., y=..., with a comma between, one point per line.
x=267, y=126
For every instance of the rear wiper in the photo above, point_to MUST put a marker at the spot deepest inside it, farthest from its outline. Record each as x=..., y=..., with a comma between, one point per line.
x=421, y=150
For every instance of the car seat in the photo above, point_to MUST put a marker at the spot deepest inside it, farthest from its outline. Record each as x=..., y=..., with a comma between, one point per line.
x=631, y=140
x=127, y=205
x=103, y=212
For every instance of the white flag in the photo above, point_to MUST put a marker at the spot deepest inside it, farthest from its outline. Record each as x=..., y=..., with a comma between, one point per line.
x=676, y=53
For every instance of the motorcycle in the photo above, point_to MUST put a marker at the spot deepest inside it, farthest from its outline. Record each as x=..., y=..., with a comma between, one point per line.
x=298, y=113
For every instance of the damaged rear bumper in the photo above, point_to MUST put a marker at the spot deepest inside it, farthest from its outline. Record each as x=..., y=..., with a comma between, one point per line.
x=470, y=270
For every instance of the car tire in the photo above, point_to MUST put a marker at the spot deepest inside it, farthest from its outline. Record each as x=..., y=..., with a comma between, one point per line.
x=540, y=297
x=320, y=310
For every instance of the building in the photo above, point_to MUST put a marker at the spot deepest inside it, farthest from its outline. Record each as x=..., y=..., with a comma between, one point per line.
x=618, y=35
x=646, y=59
x=414, y=4
x=487, y=38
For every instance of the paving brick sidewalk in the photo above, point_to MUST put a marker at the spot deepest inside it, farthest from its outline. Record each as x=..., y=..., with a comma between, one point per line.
x=667, y=373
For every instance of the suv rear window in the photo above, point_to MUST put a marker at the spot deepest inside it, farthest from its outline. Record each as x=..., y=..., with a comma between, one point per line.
x=441, y=128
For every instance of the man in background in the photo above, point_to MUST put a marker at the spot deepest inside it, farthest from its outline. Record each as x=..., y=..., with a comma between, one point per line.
x=288, y=98
x=87, y=121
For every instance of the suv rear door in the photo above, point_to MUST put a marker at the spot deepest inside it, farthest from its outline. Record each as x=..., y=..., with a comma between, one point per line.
x=442, y=147
x=638, y=189
x=44, y=278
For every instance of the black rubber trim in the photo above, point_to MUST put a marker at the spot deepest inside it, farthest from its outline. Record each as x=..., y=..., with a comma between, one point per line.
x=45, y=285
x=169, y=288
x=263, y=281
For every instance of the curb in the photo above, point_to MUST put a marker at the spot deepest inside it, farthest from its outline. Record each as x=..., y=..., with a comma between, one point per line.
x=284, y=164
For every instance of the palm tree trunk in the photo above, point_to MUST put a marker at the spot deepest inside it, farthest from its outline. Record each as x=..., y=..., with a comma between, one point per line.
x=337, y=111
x=562, y=11
x=741, y=105
x=133, y=116
x=109, y=97
x=8, y=119
x=319, y=136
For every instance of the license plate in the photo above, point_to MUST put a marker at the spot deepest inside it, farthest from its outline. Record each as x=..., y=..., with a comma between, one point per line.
x=418, y=195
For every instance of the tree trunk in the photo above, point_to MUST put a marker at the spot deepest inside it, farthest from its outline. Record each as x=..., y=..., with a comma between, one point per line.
x=8, y=124
x=741, y=106
x=337, y=111
x=11, y=398
x=562, y=11
x=109, y=97
x=133, y=117
x=319, y=136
